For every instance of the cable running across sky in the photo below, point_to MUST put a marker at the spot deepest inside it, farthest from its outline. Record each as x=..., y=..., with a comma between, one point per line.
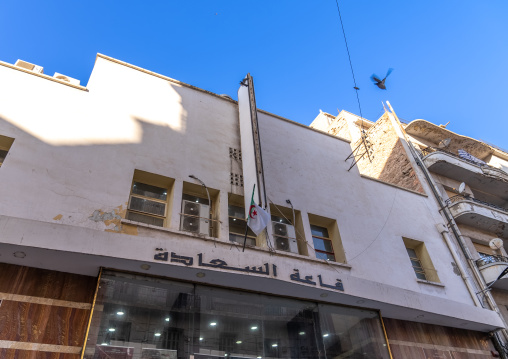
x=350, y=63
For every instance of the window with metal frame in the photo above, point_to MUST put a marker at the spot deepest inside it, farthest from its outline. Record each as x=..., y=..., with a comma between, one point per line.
x=147, y=204
x=322, y=243
x=417, y=264
x=237, y=226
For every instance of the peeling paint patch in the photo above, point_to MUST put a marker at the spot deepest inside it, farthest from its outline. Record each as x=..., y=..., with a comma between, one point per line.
x=57, y=218
x=113, y=221
x=100, y=216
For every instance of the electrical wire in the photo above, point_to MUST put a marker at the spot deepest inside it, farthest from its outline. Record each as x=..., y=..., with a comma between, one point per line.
x=350, y=63
x=381, y=230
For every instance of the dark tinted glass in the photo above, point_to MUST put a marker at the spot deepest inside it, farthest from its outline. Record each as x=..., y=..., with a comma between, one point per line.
x=319, y=231
x=149, y=191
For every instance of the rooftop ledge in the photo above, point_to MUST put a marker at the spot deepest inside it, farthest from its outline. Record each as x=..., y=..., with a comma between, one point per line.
x=44, y=76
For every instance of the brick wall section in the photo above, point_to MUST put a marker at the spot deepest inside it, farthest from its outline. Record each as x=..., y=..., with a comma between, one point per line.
x=390, y=162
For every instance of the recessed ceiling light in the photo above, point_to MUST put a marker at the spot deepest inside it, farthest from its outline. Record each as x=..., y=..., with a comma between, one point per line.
x=120, y=313
x=200, y=274
x=325, y=335
x=274, y=345
x=213, y=324
x=19, y=254
x=259, y=357
x=111, y=329
x=200, y=339
x=167, y=319
x=360, y=301
x=104, y=344
x=145, y=266
x=323, y=295
x=157, y=334
x=253, y=328
x=238, y=342
x=302, y=333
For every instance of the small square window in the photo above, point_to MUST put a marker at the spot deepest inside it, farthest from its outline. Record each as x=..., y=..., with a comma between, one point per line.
x=322, y=243
x=417, y=265
x=238, y=225
x=148, y=200
x=326, y=239
x=420, y=260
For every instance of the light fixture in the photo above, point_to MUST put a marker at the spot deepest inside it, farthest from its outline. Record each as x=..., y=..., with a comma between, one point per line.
x=323, y=295
x=145, y=266
x=259, y=357
x=420, y=316
x=253, y=328
x=167, y=319
x=200, y=274
x=157, y=334
x=213, y=324
x=19, y=254
x=302, y=333
x=234, y=219
x=360, y=301
x=274, y=345
x=111, y=329
x=104, y=344
x=325, y=335
x=120, y=313
x=200, y=339
x=197, y=200
x=238, y=342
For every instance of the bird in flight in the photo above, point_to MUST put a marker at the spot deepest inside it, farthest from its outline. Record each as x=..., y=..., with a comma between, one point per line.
x=381, y=83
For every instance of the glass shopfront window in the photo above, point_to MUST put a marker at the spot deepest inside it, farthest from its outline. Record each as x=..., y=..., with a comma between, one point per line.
x=138, y=317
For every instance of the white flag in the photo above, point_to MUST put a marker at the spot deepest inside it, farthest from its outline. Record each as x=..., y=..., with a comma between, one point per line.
x=258, y=218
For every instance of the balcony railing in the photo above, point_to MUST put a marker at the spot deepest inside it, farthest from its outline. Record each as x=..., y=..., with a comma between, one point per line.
x=429, y=150
x=460, y=197
x=490, y=259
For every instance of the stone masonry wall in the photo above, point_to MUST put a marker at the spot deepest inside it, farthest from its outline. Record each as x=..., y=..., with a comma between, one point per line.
x=389, y=160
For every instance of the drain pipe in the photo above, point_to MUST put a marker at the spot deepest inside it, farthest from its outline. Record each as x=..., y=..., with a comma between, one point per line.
x=443, y=230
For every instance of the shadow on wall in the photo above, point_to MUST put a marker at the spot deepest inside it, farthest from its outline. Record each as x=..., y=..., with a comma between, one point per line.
x=69, y=182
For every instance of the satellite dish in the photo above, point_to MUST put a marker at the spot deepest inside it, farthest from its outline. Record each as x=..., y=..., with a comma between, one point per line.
x=462, y=188
x=496, y=243
x=444, y=143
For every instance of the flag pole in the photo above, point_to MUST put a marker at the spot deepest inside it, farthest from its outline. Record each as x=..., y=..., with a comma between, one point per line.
x=247, y=223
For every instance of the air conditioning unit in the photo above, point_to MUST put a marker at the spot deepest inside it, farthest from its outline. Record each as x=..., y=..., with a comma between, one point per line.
x=29, y=66
x=284, y=237
x=66, y=78
x=195, y=217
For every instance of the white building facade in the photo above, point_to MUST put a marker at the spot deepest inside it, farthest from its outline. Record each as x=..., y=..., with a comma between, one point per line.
x=122, y=222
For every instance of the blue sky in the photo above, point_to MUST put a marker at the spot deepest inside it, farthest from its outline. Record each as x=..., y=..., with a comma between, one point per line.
x=449, y=57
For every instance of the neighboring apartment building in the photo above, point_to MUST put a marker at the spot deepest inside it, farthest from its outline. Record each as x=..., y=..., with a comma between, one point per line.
x=122, y=218
x=468, y=179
